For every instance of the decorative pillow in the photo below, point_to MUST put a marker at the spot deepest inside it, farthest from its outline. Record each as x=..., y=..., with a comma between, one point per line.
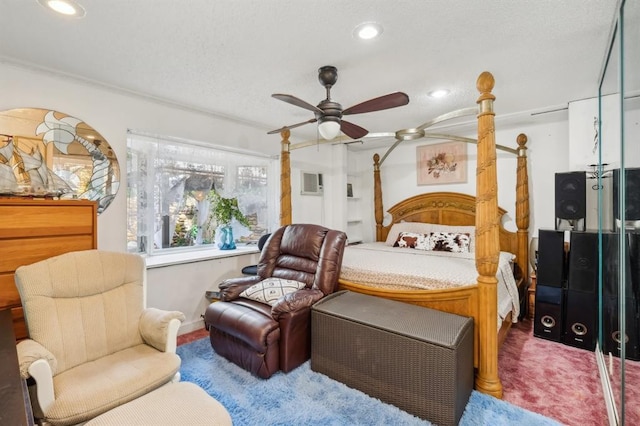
x=446, y=241
x=412, y=240
x=459, y=229
x=415, y=227
x=270, y=290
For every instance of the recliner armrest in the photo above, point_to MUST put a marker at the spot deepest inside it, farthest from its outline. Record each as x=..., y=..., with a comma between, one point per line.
x=230, y=289
x=159, y=328
x=30, y=351
x=38, y=362
x=296, y=301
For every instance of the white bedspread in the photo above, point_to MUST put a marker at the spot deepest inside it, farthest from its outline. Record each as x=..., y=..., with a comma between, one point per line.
x=379, y=265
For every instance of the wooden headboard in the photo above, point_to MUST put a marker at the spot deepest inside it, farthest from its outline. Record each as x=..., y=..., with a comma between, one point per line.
x=446, y=208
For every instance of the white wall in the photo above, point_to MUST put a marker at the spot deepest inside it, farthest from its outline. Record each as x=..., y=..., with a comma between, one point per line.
x=548, y=153
x=182, y=287
x=314, y=208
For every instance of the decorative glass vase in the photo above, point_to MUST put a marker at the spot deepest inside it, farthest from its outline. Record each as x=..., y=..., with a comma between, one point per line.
x=226, y=238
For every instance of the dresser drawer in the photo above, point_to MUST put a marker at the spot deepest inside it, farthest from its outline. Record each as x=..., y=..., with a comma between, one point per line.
x=32, y=230
x=26, y=251
x=18, y=221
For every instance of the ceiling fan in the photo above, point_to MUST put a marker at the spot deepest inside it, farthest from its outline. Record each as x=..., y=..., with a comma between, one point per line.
x=329, y=114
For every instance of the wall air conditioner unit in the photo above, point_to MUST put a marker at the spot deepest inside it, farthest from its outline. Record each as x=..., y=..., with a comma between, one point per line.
x=311, y=183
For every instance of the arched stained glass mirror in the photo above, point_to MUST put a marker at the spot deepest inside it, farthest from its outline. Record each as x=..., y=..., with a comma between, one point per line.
x=47, y=153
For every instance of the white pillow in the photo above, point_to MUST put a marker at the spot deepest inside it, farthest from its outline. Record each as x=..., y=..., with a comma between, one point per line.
x=270, y=290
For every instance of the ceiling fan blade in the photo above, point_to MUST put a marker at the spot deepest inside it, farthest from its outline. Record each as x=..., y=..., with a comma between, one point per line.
x=293, y=126
x=352, y=130
x=391, y=100
x=297, y=102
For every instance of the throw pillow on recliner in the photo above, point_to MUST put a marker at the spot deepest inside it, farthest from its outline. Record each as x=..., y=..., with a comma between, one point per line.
x=270, y=290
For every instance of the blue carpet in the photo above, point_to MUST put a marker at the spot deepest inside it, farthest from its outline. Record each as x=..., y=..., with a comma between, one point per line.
x=304, y=397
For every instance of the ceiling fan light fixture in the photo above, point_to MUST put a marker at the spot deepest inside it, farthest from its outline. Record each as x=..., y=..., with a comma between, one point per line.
x=368, y=30
x=329, y=128
x=64, y=7
x=438, y=93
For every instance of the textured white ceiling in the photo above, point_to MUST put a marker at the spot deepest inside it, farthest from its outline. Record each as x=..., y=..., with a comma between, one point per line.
x=228, y=56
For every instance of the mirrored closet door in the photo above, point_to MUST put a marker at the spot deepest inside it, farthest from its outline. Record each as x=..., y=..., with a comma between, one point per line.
x=619, y=250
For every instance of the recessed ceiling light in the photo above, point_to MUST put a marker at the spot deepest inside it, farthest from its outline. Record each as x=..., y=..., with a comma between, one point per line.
x=438, y=93
x=64, y=7
x=368, y=30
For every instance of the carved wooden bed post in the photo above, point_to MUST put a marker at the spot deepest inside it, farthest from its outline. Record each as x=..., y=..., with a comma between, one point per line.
x=487, y=240
x=522, y=208
x=285, y=179
x=377, y=197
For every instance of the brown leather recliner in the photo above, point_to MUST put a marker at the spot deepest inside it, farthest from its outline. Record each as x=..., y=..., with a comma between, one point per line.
x=264, y=338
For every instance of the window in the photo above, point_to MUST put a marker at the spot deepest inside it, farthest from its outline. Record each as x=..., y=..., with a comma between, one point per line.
x=172, y=187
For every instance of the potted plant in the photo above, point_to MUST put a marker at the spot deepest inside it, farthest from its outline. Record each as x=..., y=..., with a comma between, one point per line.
x=224, y=211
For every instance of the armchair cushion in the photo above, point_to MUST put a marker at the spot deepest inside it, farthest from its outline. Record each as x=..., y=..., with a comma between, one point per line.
x=83, y=305
x=154, y=325
x=94, y=387
x=270, y=290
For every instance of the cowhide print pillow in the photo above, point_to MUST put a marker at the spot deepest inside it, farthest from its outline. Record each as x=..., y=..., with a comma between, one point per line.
x=449, y=241
x=412, y=240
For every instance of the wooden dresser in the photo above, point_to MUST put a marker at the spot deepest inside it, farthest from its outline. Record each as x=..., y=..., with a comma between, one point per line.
x=33, y=230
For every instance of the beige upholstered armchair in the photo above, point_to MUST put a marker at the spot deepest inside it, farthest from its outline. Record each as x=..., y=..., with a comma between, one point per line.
x=92, y=345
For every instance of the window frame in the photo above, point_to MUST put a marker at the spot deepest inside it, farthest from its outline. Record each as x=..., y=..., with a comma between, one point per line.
x=186, y=254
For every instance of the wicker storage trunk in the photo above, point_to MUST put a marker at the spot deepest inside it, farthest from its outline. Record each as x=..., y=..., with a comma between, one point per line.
x=418, y=359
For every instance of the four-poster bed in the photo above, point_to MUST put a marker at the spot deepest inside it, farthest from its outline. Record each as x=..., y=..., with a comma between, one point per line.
x=478, y=299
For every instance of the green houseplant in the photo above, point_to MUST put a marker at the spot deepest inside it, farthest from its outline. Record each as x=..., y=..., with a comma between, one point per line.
x=224, y=210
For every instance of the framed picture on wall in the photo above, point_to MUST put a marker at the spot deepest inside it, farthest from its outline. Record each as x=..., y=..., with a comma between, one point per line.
x=442, y=163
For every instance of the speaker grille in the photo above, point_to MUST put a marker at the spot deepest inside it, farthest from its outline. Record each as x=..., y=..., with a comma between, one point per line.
x=583, y=261
x=551, y=261
x=570, y=195
x=611, y=261
x=632, y=194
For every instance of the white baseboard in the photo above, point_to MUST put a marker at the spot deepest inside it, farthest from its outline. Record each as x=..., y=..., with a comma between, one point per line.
x=189, y=326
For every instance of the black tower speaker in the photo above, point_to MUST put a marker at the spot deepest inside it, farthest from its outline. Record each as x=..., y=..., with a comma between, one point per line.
x=612, y=330
x=632, y=193
x=571, y=200
x=551, y=270
x=551, y=280
x=581, y=303
x=548, y=312
x=634, y=263
x=611, y=296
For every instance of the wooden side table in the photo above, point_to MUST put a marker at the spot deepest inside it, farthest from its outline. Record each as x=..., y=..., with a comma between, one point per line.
x=532, y=297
